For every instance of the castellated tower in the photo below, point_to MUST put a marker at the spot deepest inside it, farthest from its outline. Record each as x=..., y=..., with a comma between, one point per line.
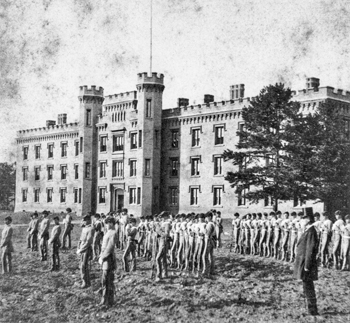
x=149, y=95
x=91, y=100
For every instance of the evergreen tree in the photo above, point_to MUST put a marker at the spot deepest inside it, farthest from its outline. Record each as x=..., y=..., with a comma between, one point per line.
x=262, y=153
x=7, y=185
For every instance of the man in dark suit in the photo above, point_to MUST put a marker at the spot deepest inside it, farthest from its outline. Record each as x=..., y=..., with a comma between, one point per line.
x=305, y=266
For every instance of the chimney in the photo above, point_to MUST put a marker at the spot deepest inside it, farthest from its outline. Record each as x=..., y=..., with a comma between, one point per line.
x=312, y=83
x=236, y=91
x=208, y=98
x=50, y=123
x=182, y=102
x=62, y=118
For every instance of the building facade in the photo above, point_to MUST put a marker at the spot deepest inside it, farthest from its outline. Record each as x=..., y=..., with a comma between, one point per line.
x=127, y=151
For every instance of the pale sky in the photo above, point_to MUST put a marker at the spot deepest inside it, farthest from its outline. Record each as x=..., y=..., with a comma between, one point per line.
x=49, y=48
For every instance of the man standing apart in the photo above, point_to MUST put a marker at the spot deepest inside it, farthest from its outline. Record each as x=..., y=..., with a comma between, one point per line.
x=305, y=267
x=44, y=235
x=107, y=261
x=6, y=246
x=55, y=244
x=68, y=227
x=34, y=232
x=85, y=250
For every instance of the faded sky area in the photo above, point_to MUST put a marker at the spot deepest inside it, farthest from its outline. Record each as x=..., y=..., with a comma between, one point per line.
x=49, y=48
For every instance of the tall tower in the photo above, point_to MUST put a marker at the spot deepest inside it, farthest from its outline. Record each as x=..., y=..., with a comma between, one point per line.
x=150, y=101
x=91, y=100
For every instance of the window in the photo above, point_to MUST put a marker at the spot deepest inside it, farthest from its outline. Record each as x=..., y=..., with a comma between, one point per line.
x=103, y=169
x=63, y=172
x=36, y=195
x=88, y=117
x=25, y=173
x=268, y=201
x=174, y=167
x=195, y=166
x=118, y=143
x=79, y=195
x=37, y=152
x=133, y=140
x=102, y=195
x=194, y=192
x=217, y=196
x=25, y=153
x=76, y=195
x=218, y=161
x=49, y=173
x=76, y=147
x=241, y=196
x=175, y=138
x=24, y=195
x=156, y=138
x=147, y=167
x=50, y=150
x=241, y=128
x=269, y=160
x=64, y=149
x=76, y=171
x=87, y=170
x=63, y=193
x=132, y=168
x=118, y=168
x=140, y=138
x=49, y=195
x=174, y=196
x=139, y=195
x=81, y=144
x=219, y=135
x=132, y=195
x=195, y=137
x=149, y=108
x=37, y=173
x=103, y=144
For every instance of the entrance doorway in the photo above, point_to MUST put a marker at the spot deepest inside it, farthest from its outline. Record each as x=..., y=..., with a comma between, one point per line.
x=117, y=198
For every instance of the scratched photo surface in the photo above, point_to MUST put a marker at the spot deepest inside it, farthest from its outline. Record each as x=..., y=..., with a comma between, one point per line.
x=49, y=48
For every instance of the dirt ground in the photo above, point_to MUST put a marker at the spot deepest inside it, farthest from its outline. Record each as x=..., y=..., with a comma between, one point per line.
x=244, y=289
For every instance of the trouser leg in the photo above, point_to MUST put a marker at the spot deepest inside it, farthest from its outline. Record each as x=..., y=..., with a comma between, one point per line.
x=107, y=281
x=84, y=269
x=310, y=295
x=3, y=262
x=126, y=259
x=29, y=238
x=159, y=259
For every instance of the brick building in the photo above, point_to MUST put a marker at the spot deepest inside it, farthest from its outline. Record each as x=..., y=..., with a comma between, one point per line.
x=127, y=151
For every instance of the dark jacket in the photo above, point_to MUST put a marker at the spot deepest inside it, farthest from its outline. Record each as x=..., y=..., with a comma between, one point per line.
x=306, y=256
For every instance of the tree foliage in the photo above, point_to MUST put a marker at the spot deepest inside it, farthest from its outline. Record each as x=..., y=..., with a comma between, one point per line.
x=284, y=153
x=7, y=185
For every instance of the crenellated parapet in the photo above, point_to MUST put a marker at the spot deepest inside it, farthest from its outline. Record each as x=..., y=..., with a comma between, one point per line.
x=48, y=130
x=326, y=92
x=150, y=83
x=120, y=97
x=93, y=94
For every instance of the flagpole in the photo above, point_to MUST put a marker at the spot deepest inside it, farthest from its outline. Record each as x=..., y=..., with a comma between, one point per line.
x=150, y=65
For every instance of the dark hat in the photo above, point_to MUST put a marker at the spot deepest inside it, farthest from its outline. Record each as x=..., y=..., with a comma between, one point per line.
x=8, y=218
x=236, y=214
x=110, y=220
x=308, y=214
x=45, y=212
x=209, y=215
x=87, y=218
x=201, y=216
x=132, y=220
x=97, y=216
x=68, y=209
x=56, y=218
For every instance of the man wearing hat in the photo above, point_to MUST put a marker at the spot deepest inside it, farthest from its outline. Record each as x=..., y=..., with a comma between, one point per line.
x=336, y=238
x=108, y=263
x=44, y=235
x=6, y=246
x=130, y=249
x=68, y=227
x=98, y=236
x=85, y=250
x=29, y=236
x=33, y=231
x=55, y=244
x=305, y=266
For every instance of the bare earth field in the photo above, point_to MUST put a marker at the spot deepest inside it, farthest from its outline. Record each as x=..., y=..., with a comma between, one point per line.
x=244, y=289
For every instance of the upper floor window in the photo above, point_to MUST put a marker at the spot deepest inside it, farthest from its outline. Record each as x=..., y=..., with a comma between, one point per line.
x=76, y=171
x=219, y=135
x=63, y=172
x=149, y=108
x=50, y=150
x=49, y=195
x=37, y=173
x=25, y=153
x=87, y=170
x=133, y=140
x=37, y=151
x=76, y=195
x=196, y=137
x=218, y=162
x=103, y=143
x=76, y=147
x=174, y=167
x=103, y=169
x=88, y=117
x=24, y=195
x=118, y=168
x=36, y=195
x=241, y=128
x=132, y=167
x=132, y=195
x=140, y=138
x=63, y=193
x=64, y=149
x=174, y=196
x=217, y=195
x=147, y=167
x=118, y=143
x=195, y=166
x=241, y=198
x=25, y=173
x=102, y=195
x=49, y=172
x=194, y=195
x=175, y=138
x=139, y=195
